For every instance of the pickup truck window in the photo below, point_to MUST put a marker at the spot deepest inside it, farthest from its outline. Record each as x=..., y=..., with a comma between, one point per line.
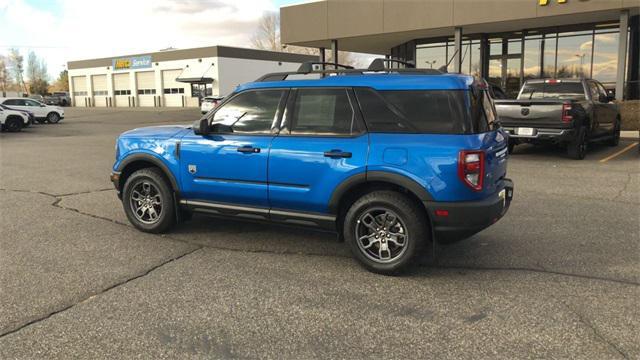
x=552, y=91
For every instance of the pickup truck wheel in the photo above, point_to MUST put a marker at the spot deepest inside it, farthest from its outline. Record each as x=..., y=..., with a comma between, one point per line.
x=148, y=201
x=13, y=124
x=615, y=140
x=511, y=146
x=53, y=118
x=385, y=231
x=577, y=148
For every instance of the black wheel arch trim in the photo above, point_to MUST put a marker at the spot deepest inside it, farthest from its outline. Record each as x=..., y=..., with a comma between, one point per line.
x=152, y=159
x=376, y=176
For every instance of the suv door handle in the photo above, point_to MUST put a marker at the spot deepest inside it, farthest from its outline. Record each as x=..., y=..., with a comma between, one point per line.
x=335, y=154
x=248, y=149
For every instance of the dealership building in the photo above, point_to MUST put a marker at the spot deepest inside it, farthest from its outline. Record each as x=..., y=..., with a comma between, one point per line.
x=505, y=41
x=173, y=77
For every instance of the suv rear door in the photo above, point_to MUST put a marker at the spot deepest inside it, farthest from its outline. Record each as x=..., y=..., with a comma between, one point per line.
x=321, y=143
x=230, y=167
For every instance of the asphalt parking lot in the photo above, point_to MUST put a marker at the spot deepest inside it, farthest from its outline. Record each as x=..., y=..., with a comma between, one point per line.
x=558, y=277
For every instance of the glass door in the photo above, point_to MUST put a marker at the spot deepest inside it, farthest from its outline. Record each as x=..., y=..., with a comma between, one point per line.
x=505, y=64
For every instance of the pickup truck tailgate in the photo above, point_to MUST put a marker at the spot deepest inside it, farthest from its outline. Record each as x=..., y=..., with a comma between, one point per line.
x=533, y=113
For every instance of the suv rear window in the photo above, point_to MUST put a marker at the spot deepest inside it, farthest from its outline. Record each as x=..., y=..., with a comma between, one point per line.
x=425, y=112
x=552, y=91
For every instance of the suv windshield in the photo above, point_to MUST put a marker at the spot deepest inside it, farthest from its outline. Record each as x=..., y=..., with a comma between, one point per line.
x=553, y=91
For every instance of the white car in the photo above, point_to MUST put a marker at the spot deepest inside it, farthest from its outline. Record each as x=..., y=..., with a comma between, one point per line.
x=41, y=112
x=209, y=103
x=12, y=120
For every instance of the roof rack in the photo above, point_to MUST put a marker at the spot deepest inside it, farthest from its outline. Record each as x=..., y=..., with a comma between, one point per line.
x=376, y=66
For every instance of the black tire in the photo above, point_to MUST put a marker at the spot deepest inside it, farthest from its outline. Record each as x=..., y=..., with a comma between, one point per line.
x=13, y=124
x=577, y=148
x=134, y=184
x=53, y=118
x=615, y=140
x=63, y=103
x=411, y=221
x=511, y=146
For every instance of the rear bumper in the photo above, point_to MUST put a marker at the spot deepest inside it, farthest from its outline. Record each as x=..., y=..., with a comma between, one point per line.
x=466, y=218
x=542, y=134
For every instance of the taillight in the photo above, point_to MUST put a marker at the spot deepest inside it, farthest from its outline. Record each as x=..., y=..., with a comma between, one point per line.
x=566, y=116
x=471, y=168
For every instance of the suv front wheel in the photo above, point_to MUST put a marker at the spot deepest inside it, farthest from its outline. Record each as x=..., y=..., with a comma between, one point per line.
x=148, y=201
x=385, y=231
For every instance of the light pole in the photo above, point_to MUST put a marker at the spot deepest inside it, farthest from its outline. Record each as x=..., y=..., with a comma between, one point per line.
x=431, y=63
x=581, y=56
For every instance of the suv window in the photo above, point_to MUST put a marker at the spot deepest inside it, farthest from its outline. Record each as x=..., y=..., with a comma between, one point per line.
x=593, y=89
x=250, y=112
x=323, y=111
x=433, y=111
x=15, y=102
x=31, y=103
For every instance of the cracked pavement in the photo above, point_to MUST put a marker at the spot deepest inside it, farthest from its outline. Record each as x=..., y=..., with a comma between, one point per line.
x=558, y=277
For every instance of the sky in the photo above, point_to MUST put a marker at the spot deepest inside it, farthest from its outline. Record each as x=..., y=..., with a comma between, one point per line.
x=63, y=30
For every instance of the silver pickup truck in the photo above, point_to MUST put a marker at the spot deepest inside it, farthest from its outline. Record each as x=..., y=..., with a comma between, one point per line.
x=568, y=112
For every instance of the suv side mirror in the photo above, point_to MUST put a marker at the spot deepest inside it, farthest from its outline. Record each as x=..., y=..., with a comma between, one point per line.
x=603, y=98
x=201, y=127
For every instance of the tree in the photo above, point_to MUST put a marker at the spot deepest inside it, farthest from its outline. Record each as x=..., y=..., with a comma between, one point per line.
x=5, y=77
x=267, y=37
x=39, y=86
x=62, y=83
x=17, y=68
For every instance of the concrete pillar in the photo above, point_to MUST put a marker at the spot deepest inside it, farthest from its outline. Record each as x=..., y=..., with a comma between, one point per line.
x=89, y=79
x=334, y=51
x=133, y=85
x=633, y=71
x=110, y=92
x=157, y=75
x=484, y=56
x=71, y=90
x=457, y=57
x=622, y=53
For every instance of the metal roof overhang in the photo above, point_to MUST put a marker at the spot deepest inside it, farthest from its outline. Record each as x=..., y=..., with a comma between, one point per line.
x=368, y=34
x=204, y=80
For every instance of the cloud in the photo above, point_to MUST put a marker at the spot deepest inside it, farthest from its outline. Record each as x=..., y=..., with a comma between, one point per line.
x=76, y=29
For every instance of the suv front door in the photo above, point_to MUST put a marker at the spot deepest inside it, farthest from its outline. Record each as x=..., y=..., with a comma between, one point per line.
x=321, y=143
x=230, y=166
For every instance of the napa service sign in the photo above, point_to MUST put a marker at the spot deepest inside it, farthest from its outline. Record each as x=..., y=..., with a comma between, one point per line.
x=134, y=62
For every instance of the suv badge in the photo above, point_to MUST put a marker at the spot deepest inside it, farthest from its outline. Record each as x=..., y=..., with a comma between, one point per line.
x=192, y=169
x=524, y=111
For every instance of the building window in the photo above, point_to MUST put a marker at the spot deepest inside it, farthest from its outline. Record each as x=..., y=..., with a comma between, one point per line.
x=174, y=91
x=146, y=91
x=100, y=93
x=122, y=92
x=79, y=93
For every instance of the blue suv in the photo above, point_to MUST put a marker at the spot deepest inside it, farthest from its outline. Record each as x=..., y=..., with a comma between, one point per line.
x=391, y=159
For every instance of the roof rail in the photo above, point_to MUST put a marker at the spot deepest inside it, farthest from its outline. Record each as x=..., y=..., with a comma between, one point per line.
x=307, y=66
x=378, y=64
x=280, y=76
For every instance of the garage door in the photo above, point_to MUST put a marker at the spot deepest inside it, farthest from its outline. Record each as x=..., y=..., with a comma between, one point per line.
x=173, y=91
x=80, y=95
x=146, y=84
x=121, y=89
x=100, y=93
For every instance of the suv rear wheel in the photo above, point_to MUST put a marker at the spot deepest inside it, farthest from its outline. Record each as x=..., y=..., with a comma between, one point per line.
x=385, y=231
x=148, y=201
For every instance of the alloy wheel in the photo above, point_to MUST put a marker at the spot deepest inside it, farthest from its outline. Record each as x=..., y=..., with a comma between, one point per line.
x=381, y=235
x=146, y=202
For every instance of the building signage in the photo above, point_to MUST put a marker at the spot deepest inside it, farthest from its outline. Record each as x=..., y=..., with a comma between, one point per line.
x=546, y=2
x=134, y=62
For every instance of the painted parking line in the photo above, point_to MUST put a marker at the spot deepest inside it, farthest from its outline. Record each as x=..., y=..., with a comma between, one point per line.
x=629, y=147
